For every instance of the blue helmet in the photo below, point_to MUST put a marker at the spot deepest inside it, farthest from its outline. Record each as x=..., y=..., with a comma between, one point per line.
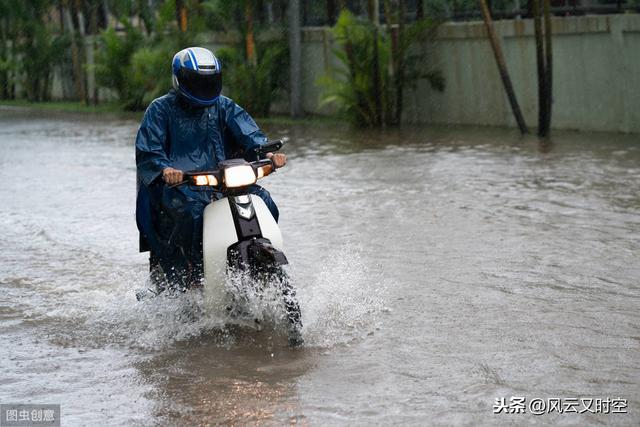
x=197, y=75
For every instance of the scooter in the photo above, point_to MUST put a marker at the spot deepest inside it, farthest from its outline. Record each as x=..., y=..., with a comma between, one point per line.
x=242, y=239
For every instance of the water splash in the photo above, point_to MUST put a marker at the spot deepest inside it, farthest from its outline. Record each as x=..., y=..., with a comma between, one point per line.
x=340, y=303
x=342, y=300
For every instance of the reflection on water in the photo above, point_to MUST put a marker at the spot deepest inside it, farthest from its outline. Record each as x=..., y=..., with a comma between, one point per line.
x=206, y=382
x=437, y=268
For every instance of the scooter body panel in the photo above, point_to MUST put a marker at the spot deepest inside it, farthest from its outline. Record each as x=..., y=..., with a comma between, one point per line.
x=268, y=225
x=219, y=232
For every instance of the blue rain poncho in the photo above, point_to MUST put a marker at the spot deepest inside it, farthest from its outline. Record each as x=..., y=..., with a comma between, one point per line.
x=175, y=134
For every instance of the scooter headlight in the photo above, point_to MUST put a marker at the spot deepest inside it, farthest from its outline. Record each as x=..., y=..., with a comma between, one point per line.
x=239, y=176
x=205, y=180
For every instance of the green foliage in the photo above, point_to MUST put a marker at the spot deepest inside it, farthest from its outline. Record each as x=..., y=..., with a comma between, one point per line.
x=35, y=48
x=253, y=84
x=254, y=87
x=113, y=62
x=350, y=86
x=138, y=67
x=150, y=74
x=135, y=68
x=7, y=65
x=225, y=15
x=134, y=62
x=39, y=51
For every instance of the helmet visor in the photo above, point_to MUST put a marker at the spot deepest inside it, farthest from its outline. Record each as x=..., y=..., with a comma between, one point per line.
x=202, y=86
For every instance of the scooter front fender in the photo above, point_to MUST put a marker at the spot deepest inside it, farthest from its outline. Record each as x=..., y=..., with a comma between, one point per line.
x=219, y=232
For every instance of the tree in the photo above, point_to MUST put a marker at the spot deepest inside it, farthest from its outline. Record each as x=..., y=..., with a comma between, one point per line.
x=77, y=46
x=8, y=64
x=136, y=65
x=370, y=95
x=30, y=48
x=255, y=69
x=502, y=68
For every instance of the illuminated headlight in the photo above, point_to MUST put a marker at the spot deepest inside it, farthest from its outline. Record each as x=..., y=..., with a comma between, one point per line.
x=239, y=176
x=205, y=180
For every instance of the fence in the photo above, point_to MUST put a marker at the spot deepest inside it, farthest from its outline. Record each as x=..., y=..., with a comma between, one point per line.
x=596, y=74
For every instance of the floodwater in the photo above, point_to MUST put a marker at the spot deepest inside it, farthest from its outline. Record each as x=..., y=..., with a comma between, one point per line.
x=438, y=269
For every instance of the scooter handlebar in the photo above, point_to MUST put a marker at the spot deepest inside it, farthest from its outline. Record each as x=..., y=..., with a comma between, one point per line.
x=269, y=147
x=216, y=178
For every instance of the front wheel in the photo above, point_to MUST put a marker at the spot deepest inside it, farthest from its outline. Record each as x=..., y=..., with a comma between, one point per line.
x=275, y=275
x=292, y=310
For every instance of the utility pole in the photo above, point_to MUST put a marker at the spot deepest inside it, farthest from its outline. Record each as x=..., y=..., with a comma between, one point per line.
x=502, y=67
x=295, y=56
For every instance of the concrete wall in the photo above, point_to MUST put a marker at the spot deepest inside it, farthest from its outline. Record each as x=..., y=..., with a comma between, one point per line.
x=596, y=74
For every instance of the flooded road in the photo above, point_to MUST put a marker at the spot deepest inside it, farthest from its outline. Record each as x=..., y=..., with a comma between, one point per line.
x=437, y=269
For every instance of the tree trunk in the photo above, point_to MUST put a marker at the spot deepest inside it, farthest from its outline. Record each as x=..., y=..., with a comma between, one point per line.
x=181, y=15
x=538, y=31
x=295, y=52
x=502, y=67
x=93, y=24
x=332, y=12
x=75, y=55
x=420, y=10
x=11, y=91
x=390, y=105
x=399, y=60
x=548, y=65
x=83, y=52
x=249, y=39
x=106, y=13
x=377, y=81
x=11, y=46
x=373, y=7
x=46, y=86
x=4, y=56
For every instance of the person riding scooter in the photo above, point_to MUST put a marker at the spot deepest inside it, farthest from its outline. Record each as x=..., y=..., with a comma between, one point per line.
x=190, y=128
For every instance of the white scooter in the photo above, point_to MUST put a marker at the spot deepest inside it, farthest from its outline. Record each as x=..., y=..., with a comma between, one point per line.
x=241, y=238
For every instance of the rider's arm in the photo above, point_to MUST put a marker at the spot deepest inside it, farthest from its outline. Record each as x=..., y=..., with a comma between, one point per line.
x=151, y=155
x=243, y=129
x=246, y=132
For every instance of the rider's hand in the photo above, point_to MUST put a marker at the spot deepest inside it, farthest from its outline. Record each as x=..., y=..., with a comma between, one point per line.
x=172, y=176
x=278, y=159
